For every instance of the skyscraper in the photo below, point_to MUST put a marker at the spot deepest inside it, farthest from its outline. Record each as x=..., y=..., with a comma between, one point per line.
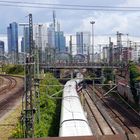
x=25, y=40
x=48, y=40
x=1, y=50
x=51, y=36
x=60, y=42
x=12, y=33
x=22, y=44
x=83, y=42
x=41, y=39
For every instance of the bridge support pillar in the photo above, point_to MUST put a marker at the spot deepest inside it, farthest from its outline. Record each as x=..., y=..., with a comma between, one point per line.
x=72, y=75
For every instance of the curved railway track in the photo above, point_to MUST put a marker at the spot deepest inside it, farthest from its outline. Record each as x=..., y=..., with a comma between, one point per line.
x=9, y=84
x=10, y=91
x=122, y=116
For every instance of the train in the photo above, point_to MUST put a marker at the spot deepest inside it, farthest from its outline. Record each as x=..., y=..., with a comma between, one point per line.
x=73, y=121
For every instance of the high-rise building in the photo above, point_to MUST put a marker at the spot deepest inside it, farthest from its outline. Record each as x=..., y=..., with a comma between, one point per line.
x=22, y=44
x=106, y=54
x=126, y=54
x=12, y=33
x=60, y=42
x=51, y=36
x=135, y=53
x=83, y=42
x=116, y=54
x=40, y=36
x=48, y=40
x=1, y=50
x=25, y=40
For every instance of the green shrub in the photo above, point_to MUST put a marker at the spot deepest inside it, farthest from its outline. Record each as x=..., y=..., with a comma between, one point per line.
x=134, y=78
x=13, y=69
x=49, y=110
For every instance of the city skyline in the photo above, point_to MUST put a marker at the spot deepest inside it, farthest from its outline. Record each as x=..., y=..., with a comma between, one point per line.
x=75, y=20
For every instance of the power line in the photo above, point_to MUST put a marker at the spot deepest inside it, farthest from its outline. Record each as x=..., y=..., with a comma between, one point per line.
x=62, y=7
x=70, y=5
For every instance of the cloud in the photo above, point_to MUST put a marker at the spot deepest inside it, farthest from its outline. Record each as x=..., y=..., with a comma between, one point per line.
x=73, y=21
x=132, y=3
x=109, y=23
x=36, y=10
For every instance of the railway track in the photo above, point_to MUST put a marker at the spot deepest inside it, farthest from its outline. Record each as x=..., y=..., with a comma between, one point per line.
x=101, y=125
x=1, y=81
x=10, y=92
x=8, y=84
x=122, y=116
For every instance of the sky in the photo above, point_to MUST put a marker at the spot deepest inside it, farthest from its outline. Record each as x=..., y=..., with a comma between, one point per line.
x=107, y=23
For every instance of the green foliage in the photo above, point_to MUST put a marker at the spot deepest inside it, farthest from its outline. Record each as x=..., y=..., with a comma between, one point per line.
x=13, y=69
x=134, y=73
x=134, y=78
x=108, y=73
x=137, y=78
x=17, y=133
x=49, y=109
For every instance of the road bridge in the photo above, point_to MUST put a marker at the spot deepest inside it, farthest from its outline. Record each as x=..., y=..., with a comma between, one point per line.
x=78, y=66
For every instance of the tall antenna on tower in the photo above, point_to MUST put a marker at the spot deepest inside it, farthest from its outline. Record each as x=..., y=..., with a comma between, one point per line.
x=54, y=19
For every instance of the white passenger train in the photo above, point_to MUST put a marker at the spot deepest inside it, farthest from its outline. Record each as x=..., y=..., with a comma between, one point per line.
x=73, y=121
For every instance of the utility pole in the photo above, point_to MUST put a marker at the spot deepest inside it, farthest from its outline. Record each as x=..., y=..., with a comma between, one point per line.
x=88, y=56
x=71, y=60
x=119, y=44
x=71, y=49
x=100, y=47
x=40, y=42
x=29, y=73
x=36, y=84
x=92, y=35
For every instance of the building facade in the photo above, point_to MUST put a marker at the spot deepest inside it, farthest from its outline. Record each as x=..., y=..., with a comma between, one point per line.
x=48, y=41
x=60, y=42
x=12, y=34
x=126, y=54
x=51, y=36
x=1, y=50
x=106, y=54
x=25, y=40
x=83, y=42
x=40, y=36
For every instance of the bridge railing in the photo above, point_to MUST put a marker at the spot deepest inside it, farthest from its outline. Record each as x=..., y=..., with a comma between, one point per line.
x=79, y=64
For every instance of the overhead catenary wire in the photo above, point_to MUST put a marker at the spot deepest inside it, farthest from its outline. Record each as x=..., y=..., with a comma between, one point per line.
x=128, y=104
x=68, y=7
x=71, y=5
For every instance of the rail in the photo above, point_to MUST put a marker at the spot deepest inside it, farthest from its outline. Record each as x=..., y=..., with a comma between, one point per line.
x=129, y=127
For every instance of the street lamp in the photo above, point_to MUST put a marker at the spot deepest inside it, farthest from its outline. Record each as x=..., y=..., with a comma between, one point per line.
x=92, y=34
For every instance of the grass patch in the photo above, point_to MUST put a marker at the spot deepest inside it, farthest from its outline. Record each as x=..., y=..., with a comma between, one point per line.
x=11, y=118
